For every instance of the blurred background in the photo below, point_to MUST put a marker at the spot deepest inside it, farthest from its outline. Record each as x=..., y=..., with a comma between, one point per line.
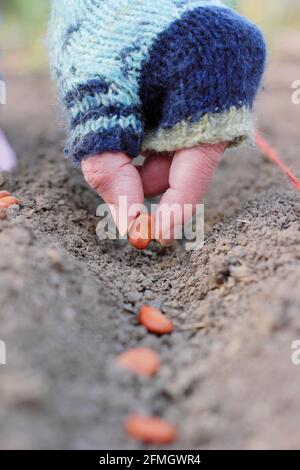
x=24, y=25
x=22, y=28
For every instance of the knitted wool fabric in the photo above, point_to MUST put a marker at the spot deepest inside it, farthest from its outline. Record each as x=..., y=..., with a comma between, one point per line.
x=153, y=75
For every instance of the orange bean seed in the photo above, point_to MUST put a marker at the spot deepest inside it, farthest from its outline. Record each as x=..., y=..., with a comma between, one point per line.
x=154, y=320
x=141, y=232
x=150, y=430
x=141, y=361
x=4, y=194
x=7, y=201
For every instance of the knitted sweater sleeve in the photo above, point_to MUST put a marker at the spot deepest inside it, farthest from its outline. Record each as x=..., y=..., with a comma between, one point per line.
x=139, y=75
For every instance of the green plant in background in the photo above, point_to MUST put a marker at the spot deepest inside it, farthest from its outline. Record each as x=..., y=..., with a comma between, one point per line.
x=25, y=23
x=28, y=16
x=23, y=27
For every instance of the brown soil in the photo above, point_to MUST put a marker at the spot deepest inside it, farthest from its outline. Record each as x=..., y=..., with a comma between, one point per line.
x=69, y=302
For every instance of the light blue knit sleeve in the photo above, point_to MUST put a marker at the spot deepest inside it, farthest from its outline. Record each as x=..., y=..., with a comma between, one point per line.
x=155, y=75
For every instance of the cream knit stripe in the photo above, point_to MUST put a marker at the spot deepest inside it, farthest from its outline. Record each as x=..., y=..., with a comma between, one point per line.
x=233, y=126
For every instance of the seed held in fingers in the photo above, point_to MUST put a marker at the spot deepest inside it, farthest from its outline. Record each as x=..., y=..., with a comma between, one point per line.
x=150, y=429
x=4, y=194
x=154, y=320
x=141, y=232
x=5, y=202
x=141, y=361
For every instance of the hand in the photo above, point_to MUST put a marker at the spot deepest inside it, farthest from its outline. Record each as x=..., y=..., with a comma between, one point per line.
x=183, y=178
x=127, y=86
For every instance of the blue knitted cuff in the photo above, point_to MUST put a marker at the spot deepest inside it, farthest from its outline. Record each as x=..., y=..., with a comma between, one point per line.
x=116, y=139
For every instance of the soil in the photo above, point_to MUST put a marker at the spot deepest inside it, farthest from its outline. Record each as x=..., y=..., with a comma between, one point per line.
x=69, y=301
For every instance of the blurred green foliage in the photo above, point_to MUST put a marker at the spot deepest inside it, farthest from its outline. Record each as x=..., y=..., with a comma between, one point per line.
x=23, y=27
x=27, y=9
x=25, y=22
x=25, y=18
x=272, y=15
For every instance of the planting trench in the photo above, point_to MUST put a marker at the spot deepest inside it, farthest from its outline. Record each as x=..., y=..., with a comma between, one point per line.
x=69, y=302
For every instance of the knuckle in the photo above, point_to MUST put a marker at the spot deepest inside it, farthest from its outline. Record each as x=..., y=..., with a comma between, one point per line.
x=97, y=177
x=211, y=156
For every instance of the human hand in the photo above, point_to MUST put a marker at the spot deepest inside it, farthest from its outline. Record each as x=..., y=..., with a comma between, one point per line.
x=183, y=178
x=135, y=77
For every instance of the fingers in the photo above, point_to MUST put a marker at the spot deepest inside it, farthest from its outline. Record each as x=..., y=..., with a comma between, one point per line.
x=112, y=176
x=185, y=177
x=155, y=174
x=191, y=172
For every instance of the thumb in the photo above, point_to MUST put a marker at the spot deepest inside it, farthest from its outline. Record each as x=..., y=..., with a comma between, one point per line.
x=190, y=175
